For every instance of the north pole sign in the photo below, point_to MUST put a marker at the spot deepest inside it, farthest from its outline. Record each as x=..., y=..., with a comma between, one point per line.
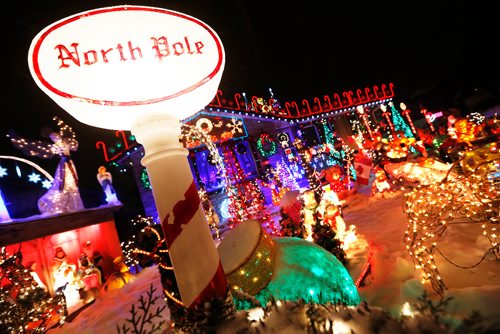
x=109, y=67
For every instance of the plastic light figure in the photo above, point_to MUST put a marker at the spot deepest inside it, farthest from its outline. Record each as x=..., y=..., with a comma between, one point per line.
x=406, y=113
x=387, y=115
x=144, y=69
x=364, y=117
x=428, y=118
x=105, y=179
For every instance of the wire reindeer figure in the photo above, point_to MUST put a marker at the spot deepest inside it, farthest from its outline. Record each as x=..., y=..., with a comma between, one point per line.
x=470, y=198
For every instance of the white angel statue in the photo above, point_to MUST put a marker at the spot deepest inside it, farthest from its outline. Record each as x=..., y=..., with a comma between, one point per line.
x=63, y=195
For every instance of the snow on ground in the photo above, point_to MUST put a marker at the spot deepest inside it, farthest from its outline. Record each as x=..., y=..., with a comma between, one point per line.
x=380, y=223
x=111, y=308
x=393, y=279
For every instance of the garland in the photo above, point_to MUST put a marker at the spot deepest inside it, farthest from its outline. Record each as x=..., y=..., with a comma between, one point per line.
x=264, y=137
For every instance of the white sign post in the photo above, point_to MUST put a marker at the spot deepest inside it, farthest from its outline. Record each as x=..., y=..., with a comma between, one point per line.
x=144, y=69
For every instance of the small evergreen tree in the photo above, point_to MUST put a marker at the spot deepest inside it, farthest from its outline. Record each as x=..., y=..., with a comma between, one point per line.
x=324, y=236
x=25, y=307
x=289, y=227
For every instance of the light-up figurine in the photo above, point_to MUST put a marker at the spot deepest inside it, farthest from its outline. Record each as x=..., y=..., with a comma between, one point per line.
x=64, y=194
x=387, y=115
x=407, y=113
x=106, y=181
x=364, y=118
x=429, y=118
x=31, y=266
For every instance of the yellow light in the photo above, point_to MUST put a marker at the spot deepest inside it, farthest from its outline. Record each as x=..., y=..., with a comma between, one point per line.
x=340, y=327
x=255, y=314
x=406, y=310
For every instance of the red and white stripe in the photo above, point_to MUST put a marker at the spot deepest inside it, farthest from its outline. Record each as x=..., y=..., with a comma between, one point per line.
x=197, y=266
x=195, y=260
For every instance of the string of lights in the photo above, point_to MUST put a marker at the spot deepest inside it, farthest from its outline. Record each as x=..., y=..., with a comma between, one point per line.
x=465, y=199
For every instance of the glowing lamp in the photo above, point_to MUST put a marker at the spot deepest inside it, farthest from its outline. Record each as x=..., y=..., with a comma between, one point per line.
x=109, y=67
x=144, y=69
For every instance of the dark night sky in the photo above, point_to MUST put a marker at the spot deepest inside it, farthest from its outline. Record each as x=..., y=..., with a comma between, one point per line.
x=300, y=50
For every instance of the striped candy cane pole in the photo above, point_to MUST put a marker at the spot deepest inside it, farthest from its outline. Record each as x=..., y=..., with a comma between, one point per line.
x=197, y=266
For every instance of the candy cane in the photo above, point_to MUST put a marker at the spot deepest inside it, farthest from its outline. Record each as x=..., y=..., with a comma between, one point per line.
x=184, y=213
x=197, y=266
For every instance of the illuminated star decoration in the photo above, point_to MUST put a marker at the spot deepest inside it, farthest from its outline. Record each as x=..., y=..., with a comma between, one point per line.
x=46, y=184
x=235, y=126
x=3, y=171
x=34, y=177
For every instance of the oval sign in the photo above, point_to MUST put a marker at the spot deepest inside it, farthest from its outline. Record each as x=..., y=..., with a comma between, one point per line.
x=110, y=67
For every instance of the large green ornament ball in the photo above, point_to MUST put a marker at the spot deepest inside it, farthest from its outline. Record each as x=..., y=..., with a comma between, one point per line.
x=308, y=272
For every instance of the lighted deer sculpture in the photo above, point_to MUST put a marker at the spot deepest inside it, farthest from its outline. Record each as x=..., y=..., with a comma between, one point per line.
x=470, y=198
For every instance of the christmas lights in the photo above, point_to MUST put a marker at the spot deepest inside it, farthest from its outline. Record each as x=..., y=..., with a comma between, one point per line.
x=387, y=115
x=407, y=113
x=250, y=266
x=463, y=199
x=26, y=307
x=145, y=179
x=364, y=118
x=64, y=195
x=400, y=126
x=263, y=141
x=212, y=216
x=428, y=118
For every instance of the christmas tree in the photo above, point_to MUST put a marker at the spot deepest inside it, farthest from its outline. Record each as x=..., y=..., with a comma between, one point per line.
x=273, y=181
x=25, y=306
x=143, y=238
x=399, y=123
x=286, y=175
x=290, y=227
x=324, y=236
x=246, y=198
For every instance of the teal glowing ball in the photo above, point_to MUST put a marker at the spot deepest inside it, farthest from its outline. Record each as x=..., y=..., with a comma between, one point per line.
x=305, y=271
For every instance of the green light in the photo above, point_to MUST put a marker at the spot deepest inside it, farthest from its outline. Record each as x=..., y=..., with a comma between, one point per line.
x=400, y=124
x=306, y=271
x=145, y=179
x=265, y=138
x=318, y=271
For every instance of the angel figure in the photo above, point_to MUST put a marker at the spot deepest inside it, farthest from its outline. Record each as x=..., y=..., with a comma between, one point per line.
x=63, y=195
